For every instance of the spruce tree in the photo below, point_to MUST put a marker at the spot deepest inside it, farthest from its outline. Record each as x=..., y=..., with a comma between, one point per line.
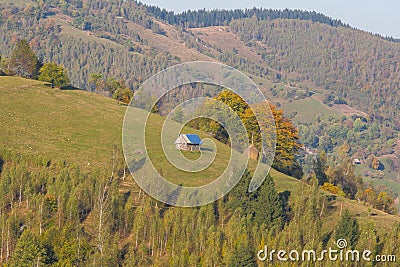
x=242, y=256
x=23, y=61
x=28, y=251
x=268, y=206
x=348, y=229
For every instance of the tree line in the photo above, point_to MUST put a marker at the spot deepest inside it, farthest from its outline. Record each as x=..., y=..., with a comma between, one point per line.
x=23, y=62
x=206, y=18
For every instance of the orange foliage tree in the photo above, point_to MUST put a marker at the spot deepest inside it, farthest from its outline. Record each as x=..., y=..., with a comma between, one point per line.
x=287, y=138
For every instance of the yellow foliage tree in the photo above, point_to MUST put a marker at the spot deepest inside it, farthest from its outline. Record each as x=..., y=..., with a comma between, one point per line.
x=287, y=137
x=331, y=188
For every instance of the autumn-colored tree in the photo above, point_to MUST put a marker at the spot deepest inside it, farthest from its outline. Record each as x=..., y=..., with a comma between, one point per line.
x=123, y=94
x=233, y=100
x=379, y=200
x=217, y=109
x=287, y=139
x=369, y=196
x=375, y=164
x=332, y=189
x=287, y=144
x=385, y=202
x=245, y=113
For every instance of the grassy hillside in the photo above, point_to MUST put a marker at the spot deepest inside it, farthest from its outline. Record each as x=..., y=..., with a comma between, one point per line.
x=308, y=109
x=76, y=126
x=82, y=128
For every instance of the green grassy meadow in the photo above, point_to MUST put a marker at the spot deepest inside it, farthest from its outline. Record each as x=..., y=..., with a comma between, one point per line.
x=308, y=109
x=75, y=126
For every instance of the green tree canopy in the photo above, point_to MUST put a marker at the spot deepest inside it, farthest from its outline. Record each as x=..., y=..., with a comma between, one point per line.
x=348, y=229
x=54, y=74
x=358, y=125
x=96, y=80
x=268, y=207
x=242, y=256
x=113, y=85
x=28, y=251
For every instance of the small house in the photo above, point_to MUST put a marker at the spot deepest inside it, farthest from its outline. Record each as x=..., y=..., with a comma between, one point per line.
x=188, y=142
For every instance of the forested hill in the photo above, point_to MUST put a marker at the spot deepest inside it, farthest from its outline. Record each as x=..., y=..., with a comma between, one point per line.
x=131, y=41
x=357, y=67
x=203, y=18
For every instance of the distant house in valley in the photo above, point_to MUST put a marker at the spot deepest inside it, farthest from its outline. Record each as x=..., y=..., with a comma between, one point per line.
x=309, y=151
x=188, y=142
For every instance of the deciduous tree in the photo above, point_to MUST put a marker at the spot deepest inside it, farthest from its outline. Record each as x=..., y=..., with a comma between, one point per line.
x=54, y=74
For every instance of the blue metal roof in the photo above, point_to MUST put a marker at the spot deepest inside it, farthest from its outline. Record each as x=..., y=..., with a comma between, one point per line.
x=193, y=139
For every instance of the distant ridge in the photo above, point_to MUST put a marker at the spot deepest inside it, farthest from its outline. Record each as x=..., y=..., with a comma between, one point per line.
x=222, y=17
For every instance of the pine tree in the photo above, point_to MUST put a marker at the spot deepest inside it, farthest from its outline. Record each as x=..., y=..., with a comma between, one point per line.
x=23, y=61
x=348, y=229
x=242, y=256
x=268, y=206
x=28, y=251
x=368, y=239
x=320, y=167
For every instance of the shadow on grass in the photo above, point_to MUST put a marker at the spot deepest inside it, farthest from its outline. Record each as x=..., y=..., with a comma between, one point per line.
x=1, y=164
x=69, y=87
x=284, y=197
x=326, y=238
x=136, y=164
x=64, y=88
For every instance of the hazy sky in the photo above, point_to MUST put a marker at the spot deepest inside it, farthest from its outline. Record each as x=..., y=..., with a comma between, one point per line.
x=377, y=16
